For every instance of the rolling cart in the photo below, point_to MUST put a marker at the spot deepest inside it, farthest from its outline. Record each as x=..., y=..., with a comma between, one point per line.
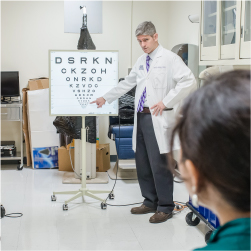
x=201, y=213
x=13, y=112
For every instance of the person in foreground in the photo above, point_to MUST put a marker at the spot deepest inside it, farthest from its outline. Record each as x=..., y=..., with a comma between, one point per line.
x=163, y=81
x=214, y=131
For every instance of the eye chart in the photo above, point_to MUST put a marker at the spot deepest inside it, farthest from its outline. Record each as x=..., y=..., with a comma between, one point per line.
x=80, y=77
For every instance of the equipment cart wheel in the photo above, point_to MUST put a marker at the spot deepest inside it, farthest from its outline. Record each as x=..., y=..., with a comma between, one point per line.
x=192, y=219
x=19, y=167
x=65, y=207
x=103, y=205
x=53, y=198
x=207, y=236
x=111, y=196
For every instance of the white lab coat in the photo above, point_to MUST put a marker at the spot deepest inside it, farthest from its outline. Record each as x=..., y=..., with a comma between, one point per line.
x=168, y=80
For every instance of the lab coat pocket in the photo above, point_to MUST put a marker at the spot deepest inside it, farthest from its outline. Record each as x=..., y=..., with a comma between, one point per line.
x=168, y=118
x=159, y=81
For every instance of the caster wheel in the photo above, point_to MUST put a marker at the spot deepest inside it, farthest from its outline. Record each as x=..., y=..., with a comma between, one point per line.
x=53, y=198
x=65, y=207
x=19, y=167
x=190, y=221
x=111, y=196
x=103, y=205
x=208, y=235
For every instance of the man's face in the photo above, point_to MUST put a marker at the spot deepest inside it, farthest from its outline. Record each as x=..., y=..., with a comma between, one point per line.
x=148, y=43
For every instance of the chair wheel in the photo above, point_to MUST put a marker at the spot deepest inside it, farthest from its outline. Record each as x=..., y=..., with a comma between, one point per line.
x=111, y=196
x=19, y=167
x=190, y=221
x=208, y=235
x=65, y=207
x=103, y=205
x=53, y=198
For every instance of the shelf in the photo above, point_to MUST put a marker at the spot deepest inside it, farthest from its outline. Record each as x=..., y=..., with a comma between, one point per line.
x=17, y=157
x=210, y=35
x=229, y=31
x=226, y=62
x=230, y=8
x=212, y=14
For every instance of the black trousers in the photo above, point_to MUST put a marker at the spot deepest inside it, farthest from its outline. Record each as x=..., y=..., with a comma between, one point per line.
x=155, y=179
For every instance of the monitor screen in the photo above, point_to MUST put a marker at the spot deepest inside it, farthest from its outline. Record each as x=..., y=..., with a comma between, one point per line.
x=10, y=84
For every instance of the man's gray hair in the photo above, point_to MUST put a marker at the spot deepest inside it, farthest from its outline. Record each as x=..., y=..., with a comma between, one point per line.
x=145, y=28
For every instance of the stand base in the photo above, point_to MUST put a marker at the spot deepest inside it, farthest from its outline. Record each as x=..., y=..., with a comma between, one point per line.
x=82, y=192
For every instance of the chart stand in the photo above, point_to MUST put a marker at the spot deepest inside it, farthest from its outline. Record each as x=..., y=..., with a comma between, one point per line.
x=83, y=191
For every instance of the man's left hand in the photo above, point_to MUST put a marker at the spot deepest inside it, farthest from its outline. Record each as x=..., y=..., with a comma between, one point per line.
x=158, y=108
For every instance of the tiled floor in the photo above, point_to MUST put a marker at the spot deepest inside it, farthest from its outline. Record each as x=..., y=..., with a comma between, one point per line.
x=45, y=226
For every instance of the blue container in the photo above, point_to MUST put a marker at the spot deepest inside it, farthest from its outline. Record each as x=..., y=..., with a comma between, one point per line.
x=207, y=214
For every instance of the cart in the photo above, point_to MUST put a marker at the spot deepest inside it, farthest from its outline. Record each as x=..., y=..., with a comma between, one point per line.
x=201, y=213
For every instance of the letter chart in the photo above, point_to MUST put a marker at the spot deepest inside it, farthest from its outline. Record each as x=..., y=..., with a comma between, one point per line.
x=80, y=77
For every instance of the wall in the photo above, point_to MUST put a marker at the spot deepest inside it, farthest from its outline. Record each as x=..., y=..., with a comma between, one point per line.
x=29, y=29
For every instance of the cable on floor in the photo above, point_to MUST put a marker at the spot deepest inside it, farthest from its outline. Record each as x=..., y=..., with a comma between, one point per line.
x=12, y=215
x=17, y=215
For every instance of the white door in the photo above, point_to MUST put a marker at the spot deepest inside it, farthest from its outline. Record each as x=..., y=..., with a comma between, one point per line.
x=228, y=29
x=209, y=30
x=245, y=43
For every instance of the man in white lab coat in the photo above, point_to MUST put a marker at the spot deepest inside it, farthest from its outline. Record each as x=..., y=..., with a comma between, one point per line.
x=163, y=81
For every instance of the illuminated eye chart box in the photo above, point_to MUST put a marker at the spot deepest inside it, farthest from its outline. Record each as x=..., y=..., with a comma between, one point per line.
x=80, y=77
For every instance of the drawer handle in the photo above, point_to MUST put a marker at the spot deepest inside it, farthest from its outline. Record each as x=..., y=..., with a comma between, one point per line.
x=4, y=113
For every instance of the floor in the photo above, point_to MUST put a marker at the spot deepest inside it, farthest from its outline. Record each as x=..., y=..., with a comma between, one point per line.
x=45, y=226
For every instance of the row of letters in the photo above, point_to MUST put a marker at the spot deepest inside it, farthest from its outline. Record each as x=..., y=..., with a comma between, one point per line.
x=83, y=71
x=71, y=60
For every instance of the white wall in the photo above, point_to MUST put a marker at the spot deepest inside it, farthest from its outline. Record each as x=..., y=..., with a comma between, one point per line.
x=29, y=29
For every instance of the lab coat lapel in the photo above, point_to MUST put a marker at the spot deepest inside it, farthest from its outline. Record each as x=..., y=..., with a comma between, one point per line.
x=144, y=65
x=158, y=55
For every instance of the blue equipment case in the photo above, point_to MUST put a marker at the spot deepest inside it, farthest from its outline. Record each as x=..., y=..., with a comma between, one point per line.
x=201, y=213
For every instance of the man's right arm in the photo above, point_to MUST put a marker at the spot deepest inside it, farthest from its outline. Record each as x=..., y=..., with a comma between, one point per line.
x=123, y=87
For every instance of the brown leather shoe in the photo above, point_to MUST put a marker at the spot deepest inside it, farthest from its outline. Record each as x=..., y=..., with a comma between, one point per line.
x=159, y=217
x=142, y=210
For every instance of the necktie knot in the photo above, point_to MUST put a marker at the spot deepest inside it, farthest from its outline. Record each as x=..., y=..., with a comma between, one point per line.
x=147, y=62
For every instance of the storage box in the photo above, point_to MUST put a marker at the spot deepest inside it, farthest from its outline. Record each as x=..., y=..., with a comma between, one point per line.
x=42, y=132
x=103, y=158
x=64, y=163
x=45, y=157
x=38, y=83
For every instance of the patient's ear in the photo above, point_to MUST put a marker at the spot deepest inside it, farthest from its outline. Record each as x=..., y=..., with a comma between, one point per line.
x=192, y=174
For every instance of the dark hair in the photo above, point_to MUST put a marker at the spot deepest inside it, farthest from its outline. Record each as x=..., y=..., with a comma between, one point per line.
x=214, y=131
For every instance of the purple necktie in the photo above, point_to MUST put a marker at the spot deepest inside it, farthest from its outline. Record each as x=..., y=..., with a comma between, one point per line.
x=143, y=96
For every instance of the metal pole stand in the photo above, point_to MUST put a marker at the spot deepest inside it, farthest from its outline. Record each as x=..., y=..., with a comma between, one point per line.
x=83, y=191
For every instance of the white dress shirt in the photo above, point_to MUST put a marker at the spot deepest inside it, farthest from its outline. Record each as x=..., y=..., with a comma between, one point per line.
x=151, y=55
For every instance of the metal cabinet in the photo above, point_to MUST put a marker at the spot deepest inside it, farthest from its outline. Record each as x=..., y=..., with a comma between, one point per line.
x=13, y=112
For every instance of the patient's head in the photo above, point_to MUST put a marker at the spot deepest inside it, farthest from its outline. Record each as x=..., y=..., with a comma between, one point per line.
x=214, y=131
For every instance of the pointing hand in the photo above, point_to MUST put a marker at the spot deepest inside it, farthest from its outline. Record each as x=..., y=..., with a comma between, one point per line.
x=99, y=101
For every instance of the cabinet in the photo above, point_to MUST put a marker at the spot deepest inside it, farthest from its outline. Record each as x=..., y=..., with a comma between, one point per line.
x=225, y=33
x=209, y=30
x=245, y=43
x=13, y=112
x=228, y=29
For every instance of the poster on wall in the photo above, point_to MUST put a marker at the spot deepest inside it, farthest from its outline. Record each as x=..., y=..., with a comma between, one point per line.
x=79, y=77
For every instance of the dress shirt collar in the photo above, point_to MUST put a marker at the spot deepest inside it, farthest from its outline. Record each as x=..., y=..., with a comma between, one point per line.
x=153, y=53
